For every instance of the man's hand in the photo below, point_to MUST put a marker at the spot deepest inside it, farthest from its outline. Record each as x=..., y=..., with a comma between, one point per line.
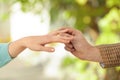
x=81, y=48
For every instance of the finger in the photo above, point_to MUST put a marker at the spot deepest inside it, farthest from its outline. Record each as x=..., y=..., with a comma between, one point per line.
x=69, y=49
x=69, y=45
x=65, y=34
x=48, y=49
x=66, y=38
x=62, y=40
x=57, y=32
x=66, y=30
x=65, y=27
x=61, y=31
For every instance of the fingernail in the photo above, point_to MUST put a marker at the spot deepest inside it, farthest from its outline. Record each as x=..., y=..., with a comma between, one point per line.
x=52, y=50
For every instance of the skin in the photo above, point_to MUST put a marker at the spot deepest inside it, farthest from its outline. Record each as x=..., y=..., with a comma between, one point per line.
x=38, y=43
x=81, y=48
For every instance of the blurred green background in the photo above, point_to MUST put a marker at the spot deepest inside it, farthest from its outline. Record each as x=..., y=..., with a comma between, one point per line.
x=99, y=20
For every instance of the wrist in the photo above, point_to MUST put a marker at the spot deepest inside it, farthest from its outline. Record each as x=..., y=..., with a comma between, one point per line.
x=16, y=47
x=94, y=54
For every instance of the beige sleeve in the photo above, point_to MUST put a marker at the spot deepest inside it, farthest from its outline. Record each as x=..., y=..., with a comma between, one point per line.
x=110, y=55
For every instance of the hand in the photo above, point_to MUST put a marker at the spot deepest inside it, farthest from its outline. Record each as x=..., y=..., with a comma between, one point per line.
x=38, y=43
x=81, y=48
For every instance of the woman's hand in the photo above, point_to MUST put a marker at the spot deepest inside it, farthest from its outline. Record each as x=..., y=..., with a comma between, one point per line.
x=38, y=43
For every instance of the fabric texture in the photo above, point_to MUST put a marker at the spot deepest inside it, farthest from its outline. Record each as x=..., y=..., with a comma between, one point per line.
x=4, y=54
x=110, y=54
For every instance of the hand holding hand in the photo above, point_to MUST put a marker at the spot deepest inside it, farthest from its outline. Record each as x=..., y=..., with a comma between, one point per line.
x=81, y=48
x=38, y=43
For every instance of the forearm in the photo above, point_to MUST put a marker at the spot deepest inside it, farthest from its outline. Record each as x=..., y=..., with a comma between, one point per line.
x=16, y=47
x=110, y=54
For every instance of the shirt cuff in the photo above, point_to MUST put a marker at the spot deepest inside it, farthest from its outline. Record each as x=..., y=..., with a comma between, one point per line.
x=4, y=54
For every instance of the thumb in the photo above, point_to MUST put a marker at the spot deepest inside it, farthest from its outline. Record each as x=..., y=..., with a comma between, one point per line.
x=48, y=49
